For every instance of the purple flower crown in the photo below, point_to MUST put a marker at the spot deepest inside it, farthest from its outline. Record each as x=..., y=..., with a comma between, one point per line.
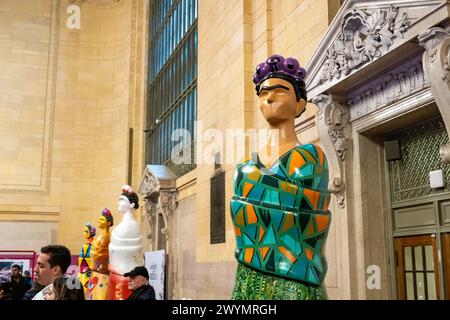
x=277, y=64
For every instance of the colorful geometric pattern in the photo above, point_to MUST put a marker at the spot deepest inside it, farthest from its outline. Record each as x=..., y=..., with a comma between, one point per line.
x=254, y=285
x=85, y=264
x=280, y=214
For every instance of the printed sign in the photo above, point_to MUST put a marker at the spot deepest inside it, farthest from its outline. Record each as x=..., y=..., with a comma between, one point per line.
x=155, y=262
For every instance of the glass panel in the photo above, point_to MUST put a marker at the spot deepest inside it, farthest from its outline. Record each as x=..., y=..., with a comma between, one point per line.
x=409, y=286
x=408, y=258
x=431, y=284
x=420, y=284
x=429, y=258
x=418, y=258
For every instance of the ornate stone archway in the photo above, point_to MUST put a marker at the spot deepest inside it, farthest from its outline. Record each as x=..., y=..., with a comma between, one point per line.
x=160, y=214
x=374, y=64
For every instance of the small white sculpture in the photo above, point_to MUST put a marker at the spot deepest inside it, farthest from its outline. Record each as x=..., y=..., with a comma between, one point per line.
x=125, y=248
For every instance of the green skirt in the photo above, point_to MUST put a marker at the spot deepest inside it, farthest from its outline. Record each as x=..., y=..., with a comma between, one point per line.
x=253, y=285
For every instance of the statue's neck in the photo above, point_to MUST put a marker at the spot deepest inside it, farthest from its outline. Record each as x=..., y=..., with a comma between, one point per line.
x=282, y=136
x=127, y=216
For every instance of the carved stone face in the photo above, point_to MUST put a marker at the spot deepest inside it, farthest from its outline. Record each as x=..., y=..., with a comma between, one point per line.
x=277, y=101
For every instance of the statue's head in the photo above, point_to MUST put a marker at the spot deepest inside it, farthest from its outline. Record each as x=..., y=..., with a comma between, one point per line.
x=106, y=219
x=128, y=199
x=89, y=231
x=279, y=84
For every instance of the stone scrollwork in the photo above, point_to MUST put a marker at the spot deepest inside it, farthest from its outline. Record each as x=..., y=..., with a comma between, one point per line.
x=336, y=118
x=150, y=189
x=444, y=153
x=337, y=187
x=365, y=35
x=436, y=63
x=333, y=118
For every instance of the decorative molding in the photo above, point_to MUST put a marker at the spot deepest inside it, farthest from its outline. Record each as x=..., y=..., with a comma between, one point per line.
x=332, y=120
x=444, y=153
x=158, y=201
x=48, y=116
x=387, y=89
x=366, y=35
x=335, y=116
x=337, y=187
x=364, y=31
x=436, y=63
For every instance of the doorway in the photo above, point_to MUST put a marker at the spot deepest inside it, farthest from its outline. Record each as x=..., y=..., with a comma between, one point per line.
x=420, y=215
x=417, y=267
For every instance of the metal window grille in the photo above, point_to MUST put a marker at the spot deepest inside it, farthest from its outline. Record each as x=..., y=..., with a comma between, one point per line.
x=172, y=79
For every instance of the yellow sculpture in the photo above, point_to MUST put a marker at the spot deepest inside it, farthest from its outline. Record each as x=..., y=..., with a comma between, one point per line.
x=84, y=260
x=99, y=280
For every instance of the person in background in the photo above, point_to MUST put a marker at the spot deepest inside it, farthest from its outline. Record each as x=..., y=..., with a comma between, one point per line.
x=138, y=283
x=27, y=276
x=18, y=285
x=52, y=263
x=4, y=291
x=60, y=290
x=36, y=287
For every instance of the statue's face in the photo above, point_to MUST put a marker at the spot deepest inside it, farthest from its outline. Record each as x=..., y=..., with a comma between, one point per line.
x=86, y=232
x=277, y=101
x=102, y=222
x=124, y=204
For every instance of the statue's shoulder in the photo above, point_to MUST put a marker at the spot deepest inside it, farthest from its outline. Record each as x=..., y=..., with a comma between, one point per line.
x=314, y=153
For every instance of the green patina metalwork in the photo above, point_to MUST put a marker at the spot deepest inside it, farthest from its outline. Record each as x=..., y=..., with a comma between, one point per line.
x=420, y=155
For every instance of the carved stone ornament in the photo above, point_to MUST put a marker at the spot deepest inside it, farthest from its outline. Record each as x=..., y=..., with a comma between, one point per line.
x=444, y=153
x=388, y=88
x=366, y=35
x=150, y=189
x=336, y=118
x=337, y=187
x=436, y=62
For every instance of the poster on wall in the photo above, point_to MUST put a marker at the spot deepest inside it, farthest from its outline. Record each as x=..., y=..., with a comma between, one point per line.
x=155, y=262
x=6, y=265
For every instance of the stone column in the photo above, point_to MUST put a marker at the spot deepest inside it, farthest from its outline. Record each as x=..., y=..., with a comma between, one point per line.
x=161, y=199
x=436, y=64
x=332, y=124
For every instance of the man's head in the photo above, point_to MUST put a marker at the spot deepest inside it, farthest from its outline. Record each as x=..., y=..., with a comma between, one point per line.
x=137, y=277
x=15, y=271
x=52, y=263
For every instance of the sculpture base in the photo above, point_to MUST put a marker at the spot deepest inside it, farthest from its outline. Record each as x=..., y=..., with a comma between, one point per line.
x=253, y=285
x=118, y=287
x=97, y=288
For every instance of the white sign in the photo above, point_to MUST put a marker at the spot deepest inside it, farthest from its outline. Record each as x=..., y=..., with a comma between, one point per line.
x=155, y=262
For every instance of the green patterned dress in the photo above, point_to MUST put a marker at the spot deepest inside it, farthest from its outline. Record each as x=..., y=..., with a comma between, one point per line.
x=281, y=222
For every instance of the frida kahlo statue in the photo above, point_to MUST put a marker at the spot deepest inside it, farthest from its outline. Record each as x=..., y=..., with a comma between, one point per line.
x=84, y=259
x=125, y=248
x=280, y=201
x=97, y=288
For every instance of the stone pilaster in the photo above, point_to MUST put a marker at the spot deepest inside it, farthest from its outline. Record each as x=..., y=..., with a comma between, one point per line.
x=436, y=64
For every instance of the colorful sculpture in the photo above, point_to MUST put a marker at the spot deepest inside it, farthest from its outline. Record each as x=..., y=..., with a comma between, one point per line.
x=84, y=259
x=125, y=249
x=280, y=209
x=99, y=280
